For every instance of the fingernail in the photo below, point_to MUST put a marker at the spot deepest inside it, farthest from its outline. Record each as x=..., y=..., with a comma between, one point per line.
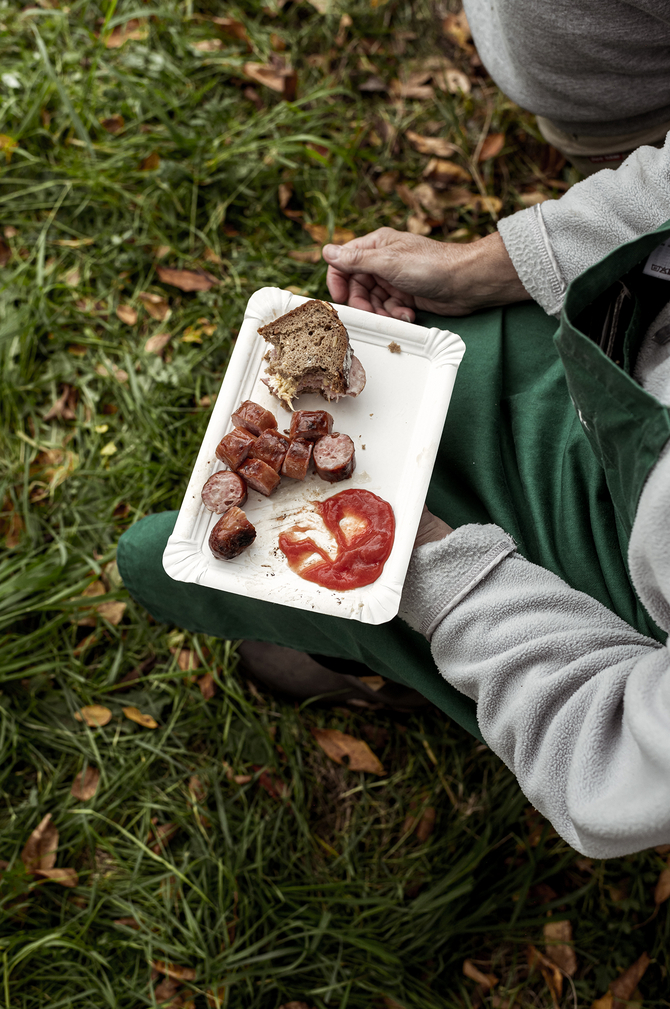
x=405, y=317
x=331, y=251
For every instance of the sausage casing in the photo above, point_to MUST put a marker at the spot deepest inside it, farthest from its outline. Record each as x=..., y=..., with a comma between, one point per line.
x=297, y=460
x=234, y=447
x=310, y=425
x=335, y=457
x=259, y=475
x=253, y=417
x=232, y=534
x=271, y=447
x=224, y=490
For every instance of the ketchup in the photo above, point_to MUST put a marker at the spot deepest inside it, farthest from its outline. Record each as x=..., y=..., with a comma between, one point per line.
x=363, y=527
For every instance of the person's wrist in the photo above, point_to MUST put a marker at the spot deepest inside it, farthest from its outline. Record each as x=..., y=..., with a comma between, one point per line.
x=484, y=274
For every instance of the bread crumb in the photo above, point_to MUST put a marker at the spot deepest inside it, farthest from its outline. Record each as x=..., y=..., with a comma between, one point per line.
x=394, y=347
x=363, y=446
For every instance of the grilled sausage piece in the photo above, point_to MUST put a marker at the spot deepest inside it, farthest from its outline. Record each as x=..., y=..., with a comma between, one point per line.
x=232, y=534
x=310, y=425
x=271, y=447
x=334, y=457
x=234, y=448
x=259, y=475
x=253, y=417
x=296, y=462
x=224, y=490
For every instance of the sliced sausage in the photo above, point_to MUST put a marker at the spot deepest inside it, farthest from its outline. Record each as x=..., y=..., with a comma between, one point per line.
x=223, y=491
x=310, y=425
x=259, y=475
x=357, y=378
x=232, y=534
x=253, y=417
x=271, y=447
x=296, y=462
x=234, y=448
x=334, y=457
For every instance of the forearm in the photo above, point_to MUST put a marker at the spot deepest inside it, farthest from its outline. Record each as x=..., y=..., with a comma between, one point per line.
x=483, y=274
x=574, y=701
x=552, y=243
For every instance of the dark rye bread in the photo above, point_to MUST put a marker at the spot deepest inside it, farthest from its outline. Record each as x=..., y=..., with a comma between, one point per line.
x=310, y=353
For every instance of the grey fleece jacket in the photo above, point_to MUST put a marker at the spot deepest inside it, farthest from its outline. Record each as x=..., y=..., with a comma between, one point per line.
x=594, y=67
x=574, y=700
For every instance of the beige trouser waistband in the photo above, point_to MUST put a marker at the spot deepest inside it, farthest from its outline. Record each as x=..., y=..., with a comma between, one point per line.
x=584, y=146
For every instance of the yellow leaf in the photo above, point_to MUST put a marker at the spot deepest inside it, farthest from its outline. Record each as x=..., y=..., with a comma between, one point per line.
x=348, y=751
x=95, y=715
x=8, y=145
x=135, y=715
x=109, y=449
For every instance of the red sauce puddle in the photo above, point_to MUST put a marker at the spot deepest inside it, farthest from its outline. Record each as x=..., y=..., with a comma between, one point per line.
x=361, y=554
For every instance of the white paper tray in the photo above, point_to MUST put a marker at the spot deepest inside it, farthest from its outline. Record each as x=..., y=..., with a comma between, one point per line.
x=396, y=424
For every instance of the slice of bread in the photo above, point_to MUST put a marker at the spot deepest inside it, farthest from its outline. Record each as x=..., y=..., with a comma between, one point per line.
x=310, y=352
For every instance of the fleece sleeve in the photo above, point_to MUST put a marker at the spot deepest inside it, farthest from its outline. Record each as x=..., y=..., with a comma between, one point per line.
x=574, y=700
x=553, y=242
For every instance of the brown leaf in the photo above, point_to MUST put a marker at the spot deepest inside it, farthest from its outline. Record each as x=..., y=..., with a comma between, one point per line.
x=66, y=877
x=127, y=314
x=155, y=305
x=319, y=233
x=487, y=981
x=94, y=715
x=160, y=836
x=207, y=685
x=112, y=610
x=284, y=192
x=113, y=124
x=64, y=408
x=437, y=146
x=165, y=993
x=426, y=825
x=454, y=81
x=5, y=253
x=273, y=785
x=417, y=224
x=208, y=45
x=13, y=525
x=119, y=374
x=229, y=26
x=278, y=75
x=72, y=277
x=135, y=715
x=39, y=851
x=134, y=29
x=128, y=922
x=311, y=254
x=347, y=750
x=550, y=972
x=623, y=987
x=456, y=27
x=157, y=343
x=187, y=659
x=386, y=182
x=186, y=280
x=216, y=997
x=197, y=788
x=492, y=146
x=173, y=970
x=85, y=785
x=9, y=231
x=442, y=174
x=411, y=88
x=558, y=946
x=150, y=163
x=529, y=199
x=662, y=888
x=435, y=202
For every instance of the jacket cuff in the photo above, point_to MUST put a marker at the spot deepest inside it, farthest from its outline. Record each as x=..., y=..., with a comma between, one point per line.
x=525, y=237
x=443, y=572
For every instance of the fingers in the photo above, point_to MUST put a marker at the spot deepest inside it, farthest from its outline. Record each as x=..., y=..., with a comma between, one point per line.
x=362, y=255
x=338, y=285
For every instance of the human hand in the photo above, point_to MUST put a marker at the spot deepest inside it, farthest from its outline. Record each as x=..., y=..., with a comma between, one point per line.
x=430, y=528
x=393, y=273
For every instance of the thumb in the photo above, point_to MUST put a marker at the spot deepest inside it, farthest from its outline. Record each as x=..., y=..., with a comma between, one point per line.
x=352, y=259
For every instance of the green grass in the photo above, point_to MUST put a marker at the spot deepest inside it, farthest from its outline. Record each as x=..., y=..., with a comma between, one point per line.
x=321, y=896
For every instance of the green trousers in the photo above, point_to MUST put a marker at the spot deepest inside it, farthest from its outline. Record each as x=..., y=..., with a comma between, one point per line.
x=513, y=452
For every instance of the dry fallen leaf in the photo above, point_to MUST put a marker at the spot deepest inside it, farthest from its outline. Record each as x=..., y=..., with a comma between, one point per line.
x=442, y=174
x=186, y=280
x=492, y=146
x=310, y=254
x=278, y=75
x=229, y=26
x=208, y=45
x=85, y=785
x=5, y=253
x=157, y=343
x=155, y=305
x=113, y=124
x=8, y=145
x=128, y=922
x=319, y=233
x=533, y=197
x=488, y=981
x=623, y=987
x=150, y=163
x=160, y=835
x=119, y=374
x=66, y=877
x=413, y=86
x=662, y=888
x=9, y=231
x=456, y=27
x=550, y=972
x=558, y=946
x=135, y=715
x=72, y=277
x=134, y=29
x=437, y=146
x=64, y=407
x=348, y=751
x=173, y=970
x=187, y=659
x=207, y=686
x=12, y=526
x=299, y=1005
x=268, y=781
x=94, y=715
x=127, y=314
x=39, y=851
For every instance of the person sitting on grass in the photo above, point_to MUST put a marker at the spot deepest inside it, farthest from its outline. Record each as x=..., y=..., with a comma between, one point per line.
x=536, y=607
